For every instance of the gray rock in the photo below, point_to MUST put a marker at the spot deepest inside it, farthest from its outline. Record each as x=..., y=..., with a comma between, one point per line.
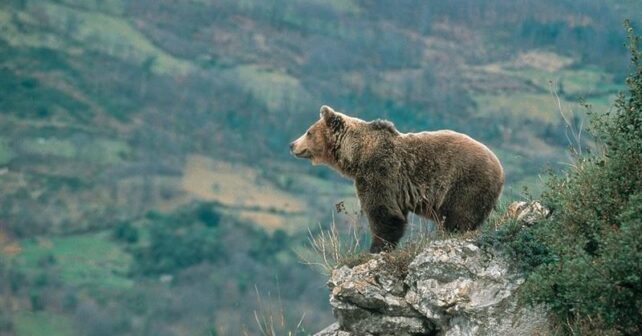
x=527, y=213
x=333, y=330
x=452, y=288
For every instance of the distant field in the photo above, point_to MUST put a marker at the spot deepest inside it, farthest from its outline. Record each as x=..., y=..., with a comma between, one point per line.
x=77, y=146
x=101, y=32
x=271, y=87
x=240, y=186
x=540, y=107
x=89, y=263
x=550, y=74
x=88, y=260
x=42, y=324
x=6, y=154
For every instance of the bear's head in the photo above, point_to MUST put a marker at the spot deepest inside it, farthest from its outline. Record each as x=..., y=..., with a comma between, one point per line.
x=340, y=141
x=320, y=142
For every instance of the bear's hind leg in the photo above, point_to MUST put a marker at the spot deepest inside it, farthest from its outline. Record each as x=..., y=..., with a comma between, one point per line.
x=387, y=227
x=460, y=219
x=466, y=214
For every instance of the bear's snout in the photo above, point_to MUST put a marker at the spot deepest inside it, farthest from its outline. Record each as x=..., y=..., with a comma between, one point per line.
x=293, y=145
x=299, y=150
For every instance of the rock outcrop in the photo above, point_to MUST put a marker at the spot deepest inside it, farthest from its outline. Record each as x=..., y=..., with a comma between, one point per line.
x=452, y=287
x=527, y=213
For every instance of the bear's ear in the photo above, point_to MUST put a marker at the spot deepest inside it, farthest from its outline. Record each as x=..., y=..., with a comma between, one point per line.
x=333, y=120
x=326, y=112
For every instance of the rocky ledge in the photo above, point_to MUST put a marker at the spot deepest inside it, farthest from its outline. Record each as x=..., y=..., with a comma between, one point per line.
x=452, y=287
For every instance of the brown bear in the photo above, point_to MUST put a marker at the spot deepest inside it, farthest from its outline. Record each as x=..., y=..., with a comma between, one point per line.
x=443, y=175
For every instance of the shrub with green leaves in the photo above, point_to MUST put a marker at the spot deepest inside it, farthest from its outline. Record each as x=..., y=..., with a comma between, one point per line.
x=124, y=231
x=517, y=242
x=180, y=239
x=593, y=280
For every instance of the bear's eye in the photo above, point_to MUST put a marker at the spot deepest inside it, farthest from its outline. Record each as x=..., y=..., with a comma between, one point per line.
x=308, y=133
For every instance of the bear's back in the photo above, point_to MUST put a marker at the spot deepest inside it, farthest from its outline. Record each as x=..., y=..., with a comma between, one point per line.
x=447, y=144
x=443, y=157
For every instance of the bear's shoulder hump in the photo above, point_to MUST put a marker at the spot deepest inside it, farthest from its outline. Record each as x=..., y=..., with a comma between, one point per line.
x=384, y=125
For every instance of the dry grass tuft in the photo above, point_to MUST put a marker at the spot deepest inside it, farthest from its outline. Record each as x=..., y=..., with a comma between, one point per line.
x=329, y=248
x=333, y=247
x=271, y=320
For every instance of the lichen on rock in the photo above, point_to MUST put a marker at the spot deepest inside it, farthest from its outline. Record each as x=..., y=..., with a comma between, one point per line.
x=453, y=287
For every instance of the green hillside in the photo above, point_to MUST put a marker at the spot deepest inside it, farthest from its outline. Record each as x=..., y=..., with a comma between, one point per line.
x=120, y=119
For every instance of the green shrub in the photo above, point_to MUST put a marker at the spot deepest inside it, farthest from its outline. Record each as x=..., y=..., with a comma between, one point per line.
x=36, y=299
x=179, y=240
x=124, y=231
x=594, y=278
x=6, y=323
x=208, y=215
x=517, y=243
x=265, y=248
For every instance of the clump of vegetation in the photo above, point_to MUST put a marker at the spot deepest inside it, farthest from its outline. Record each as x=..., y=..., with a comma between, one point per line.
x=514, y=240
x=178, y=240
x=124, y=231
x=587, y=264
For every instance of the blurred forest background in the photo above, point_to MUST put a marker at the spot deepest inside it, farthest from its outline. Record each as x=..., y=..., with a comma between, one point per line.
x=146, y=184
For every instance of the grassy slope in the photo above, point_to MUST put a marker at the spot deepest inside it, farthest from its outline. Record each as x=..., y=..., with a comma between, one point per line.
x=42, y=324
x=86, y=260
x=92, y=264
x=556, y=87
x=87, y=30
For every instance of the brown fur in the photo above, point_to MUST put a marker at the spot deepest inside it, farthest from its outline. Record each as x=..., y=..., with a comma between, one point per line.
x=442, y=175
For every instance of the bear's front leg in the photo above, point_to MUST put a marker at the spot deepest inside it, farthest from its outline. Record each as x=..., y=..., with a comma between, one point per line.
x=387, y=227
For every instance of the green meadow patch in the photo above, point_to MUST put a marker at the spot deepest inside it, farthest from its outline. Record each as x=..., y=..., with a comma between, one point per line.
x=6, y=154
x=48, y=147
x=271, y=87
x=97, y=31
x=96, y=150
x=588, y=81
x=28, y=323
x=537, y=106
x=113, y=36
x=91, y=260
x=592, y=84
x=104, y=151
